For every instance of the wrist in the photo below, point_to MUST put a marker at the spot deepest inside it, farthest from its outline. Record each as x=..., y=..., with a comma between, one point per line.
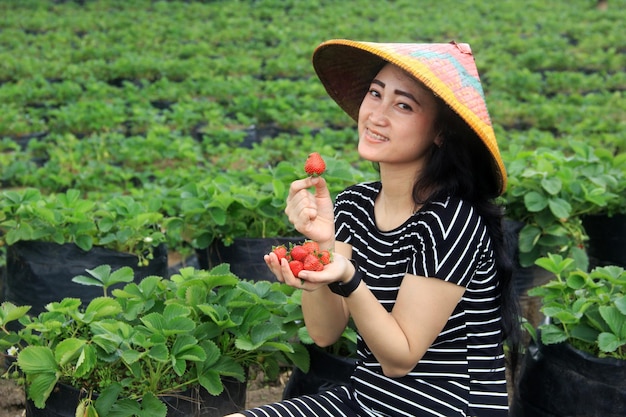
x=347, y=287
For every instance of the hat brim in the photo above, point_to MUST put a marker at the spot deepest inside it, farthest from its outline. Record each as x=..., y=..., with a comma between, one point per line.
x=346, y=69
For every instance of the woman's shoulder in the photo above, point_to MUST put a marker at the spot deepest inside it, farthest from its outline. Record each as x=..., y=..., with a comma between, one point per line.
x=363, y=190
x=450, y=208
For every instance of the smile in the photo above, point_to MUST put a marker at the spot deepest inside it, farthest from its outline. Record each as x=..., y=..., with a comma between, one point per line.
x=376, y=136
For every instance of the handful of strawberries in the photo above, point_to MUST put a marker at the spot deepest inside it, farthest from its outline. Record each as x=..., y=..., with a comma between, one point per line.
x=305, y=256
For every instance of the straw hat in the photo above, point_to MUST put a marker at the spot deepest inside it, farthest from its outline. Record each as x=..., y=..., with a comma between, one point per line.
x=347, y=67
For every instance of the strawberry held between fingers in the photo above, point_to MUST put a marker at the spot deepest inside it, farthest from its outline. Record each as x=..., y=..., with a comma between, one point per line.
x=314, y=165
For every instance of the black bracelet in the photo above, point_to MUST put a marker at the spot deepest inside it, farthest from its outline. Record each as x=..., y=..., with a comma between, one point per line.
x=345, y=289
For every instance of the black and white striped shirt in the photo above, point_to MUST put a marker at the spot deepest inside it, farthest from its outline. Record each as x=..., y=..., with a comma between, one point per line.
x=463, y=372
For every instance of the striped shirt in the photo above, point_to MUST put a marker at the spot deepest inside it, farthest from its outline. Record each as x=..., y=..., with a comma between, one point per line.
x=463, y=372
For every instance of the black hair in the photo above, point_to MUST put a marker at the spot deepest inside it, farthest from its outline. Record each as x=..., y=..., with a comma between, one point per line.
x=462, y=166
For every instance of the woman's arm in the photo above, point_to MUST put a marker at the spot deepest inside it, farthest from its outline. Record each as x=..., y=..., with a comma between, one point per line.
x=399, y=339
x=325, y=313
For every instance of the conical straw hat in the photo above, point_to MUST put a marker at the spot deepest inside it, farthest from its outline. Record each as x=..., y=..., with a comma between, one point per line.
x=347, y=67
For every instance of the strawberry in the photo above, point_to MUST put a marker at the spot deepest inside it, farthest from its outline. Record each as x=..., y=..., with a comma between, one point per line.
x=311, y=246
x=280, y=251
x=296, y=267
x=314, y=165
x=325, y=257
x=312, y=263
x=298, y=253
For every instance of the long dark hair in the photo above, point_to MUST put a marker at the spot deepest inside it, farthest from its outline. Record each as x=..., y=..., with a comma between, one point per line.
x=463, y=167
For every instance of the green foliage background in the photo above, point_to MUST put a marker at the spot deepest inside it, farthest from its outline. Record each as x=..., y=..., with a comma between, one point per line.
x=143, y=97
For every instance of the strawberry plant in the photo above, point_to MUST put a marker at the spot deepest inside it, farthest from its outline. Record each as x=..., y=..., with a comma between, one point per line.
x=550, y=192
x=249, y=203
x=121, y=223
x=153, y=338
x=585, y=309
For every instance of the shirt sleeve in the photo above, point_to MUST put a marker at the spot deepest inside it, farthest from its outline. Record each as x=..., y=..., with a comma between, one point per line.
x=450, y=243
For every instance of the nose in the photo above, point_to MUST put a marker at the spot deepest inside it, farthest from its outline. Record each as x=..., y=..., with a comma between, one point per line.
x=378, y=115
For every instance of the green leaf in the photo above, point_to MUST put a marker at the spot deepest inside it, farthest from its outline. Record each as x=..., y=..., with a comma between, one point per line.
x=67, y=350
x=175, y=311
x=36, y=359
x=211, y=380
x=300, y=357
x=560, y=208
x=102, y=276
x=563, y=315
x=39, y=386
x=528, y=237
x=107, y=398
x=551, y=334
x=127, y=407
x=152, y=406
x=131, y=356
x=10, y=312
x=101, y=307
x=159, y=352
x=41, y=370
x=615, y=320
x=585, y=333
x=86, y=361
x=609, y=342
x=552, y=185
x=535, y=202
x=620, y=304
x=186, y=347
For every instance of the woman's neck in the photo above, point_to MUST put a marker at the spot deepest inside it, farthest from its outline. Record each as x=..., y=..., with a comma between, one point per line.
x=395, y=204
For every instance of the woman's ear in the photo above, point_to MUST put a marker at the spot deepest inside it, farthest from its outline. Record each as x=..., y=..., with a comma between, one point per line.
x=439, y=140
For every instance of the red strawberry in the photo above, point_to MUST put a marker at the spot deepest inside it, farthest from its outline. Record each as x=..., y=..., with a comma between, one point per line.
x=311, y=246
x=298, y=253
x=325, y=257
x=314, y=165
x=296, y=267
x=312, y=263
x=280, y=251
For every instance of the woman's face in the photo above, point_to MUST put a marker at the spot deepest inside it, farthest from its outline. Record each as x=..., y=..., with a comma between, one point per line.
x=397, y=119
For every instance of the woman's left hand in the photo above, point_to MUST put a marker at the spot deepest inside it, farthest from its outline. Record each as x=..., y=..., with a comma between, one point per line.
x=337, y=270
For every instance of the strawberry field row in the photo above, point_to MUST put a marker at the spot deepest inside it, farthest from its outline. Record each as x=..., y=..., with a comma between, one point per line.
x=145, y=97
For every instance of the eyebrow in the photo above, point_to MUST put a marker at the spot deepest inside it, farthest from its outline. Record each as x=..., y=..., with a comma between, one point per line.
x=398, y=92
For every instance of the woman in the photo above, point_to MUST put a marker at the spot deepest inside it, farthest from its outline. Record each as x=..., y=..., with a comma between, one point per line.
x=419, y=263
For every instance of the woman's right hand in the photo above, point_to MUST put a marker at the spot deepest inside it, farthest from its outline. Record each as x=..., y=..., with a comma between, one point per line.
x=312, y=214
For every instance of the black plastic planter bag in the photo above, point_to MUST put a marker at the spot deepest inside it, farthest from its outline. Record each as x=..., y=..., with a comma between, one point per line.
x=195, y=402
x=245, y=256
x=41, y=272
x=326, y=371
x=607, y=239
x=560, y=381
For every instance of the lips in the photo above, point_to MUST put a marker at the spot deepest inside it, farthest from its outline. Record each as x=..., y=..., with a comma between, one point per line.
x=375, y=136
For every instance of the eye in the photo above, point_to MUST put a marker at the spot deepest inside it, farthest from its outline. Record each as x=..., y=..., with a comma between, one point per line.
x=373, y=92
x=405, y=106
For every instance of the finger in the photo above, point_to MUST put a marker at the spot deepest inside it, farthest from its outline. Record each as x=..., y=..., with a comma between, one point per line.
x=298, y=185
x=271, y=260
x=321, y=188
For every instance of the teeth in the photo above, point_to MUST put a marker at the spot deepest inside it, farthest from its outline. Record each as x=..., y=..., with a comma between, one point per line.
x=377, y=136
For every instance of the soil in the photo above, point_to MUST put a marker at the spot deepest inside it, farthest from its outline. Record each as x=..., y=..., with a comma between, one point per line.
x=12, y=397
